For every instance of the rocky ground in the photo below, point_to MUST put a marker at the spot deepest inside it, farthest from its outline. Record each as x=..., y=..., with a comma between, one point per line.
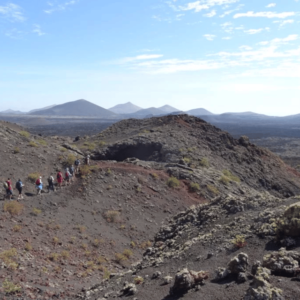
x=163, y=199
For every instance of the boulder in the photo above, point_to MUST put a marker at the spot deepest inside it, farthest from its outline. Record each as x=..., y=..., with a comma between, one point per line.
x=289, y=224
x=282, y=262
x=128, y=289
x=238, y=264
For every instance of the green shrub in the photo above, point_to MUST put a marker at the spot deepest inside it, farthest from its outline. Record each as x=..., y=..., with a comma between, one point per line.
x=25, y=134
x=112, y=216
x=204, y=162
x=194, y=187
x=120, y=257
x=154, y=176
x=42, y=142
x=224, y=179
x=36, y=211
x=213, y=189
x=32, y=144
x=239, y=241
x=101, y=144
x=231, y=177
x=128, y=253
x=33, y=177
x=186, y=160
x=70, y=160
x=15, y=208
x=9, y=287
x=17, y=150
x=173, y=182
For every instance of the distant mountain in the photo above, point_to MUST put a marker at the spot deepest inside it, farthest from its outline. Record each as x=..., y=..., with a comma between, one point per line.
x=36, y=110
x=126, y=108
x=80, y=108
x=199, y=112
x=168, y=109
x=11, y=112
x=148, y=111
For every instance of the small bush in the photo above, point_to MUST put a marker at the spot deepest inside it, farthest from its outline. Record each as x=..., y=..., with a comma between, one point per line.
x=28, y=247
x=70, y=160
x=224, y=179
x=42, y=142
x=55, y=240
x=85, y=170
x=213, y=189
x=63, y=150
x=17, y=150
x=154, y=176
x=138, y=280
x=132, y=244
x=204, y=162
x=173, y=182
x=8, y=257
x=13, y=207
x=106, y=274
x=108, y=172
x=17, y=228
x=65, y=254
x=194, y=187
x=25, y=134
x=53, y=256
x=239, y=241
x=128, y=253
x=120, y=257
x=112, y=216
x=32, y=177
x=101, y=144
x=82, y=229
x=36, y=211
x=84, y=246
x=89, y=146
x=186, y=160
x=100, y=260
x=33, y=144
x=232, y=177
x=9, y=287
x=145, y=245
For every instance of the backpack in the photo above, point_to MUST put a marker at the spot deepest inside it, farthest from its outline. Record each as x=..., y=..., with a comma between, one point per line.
x=58, y=176
x=38, y=182
x=5, y=185
x=18, y=185
x=76, y=162
x=71, y=170
x=50, y=180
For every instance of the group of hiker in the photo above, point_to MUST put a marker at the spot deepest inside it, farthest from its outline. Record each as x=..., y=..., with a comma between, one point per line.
x=68, y=178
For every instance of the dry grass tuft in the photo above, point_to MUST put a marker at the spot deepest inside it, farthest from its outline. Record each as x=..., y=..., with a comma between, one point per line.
x=13, y=207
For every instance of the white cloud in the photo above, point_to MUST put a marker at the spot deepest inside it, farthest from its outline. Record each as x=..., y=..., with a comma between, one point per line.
x=15, y=34
x=12, y=12
x=271, y=5
x=59, y=7
x=265, y=14
x=200, y=5
x=255, y=31
x=140, y=58
x=210, y=14
x=209, y=37
x=37, y=29
x=284, y=22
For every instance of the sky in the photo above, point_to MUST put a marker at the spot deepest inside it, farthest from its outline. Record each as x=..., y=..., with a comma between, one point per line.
x=221, y=55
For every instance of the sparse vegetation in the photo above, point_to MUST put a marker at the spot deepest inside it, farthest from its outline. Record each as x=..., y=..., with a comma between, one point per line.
x=119, y=257
x=32, y=177
x=85, y=170
x=89, y=145
x=8, y=257
x=53, y=256
x=42, y=142
x=239, y=241
x=25, y=134
x=132, y=244
x=154, y=176
x=224, y=179
x=101, y=144
x=70, y=159
x=55, y=240
x=65, y=254
x=81, y=229
x=213, y=189
x=28, y=247
x=228, y=177
x=63, y=149
x=194, y=187
x=9, y=287
x=128, y=253
x=173, y=182
x=33, y=144
x=36, y=211
x=145, y=245
x=108, y=172
x=204, y=162
x=14, y=208
x=186, y=160
x=17, y=228
x=17, y=150
x=112, y=216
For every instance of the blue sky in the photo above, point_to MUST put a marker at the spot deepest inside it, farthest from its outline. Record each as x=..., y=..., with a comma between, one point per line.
x=223, y=55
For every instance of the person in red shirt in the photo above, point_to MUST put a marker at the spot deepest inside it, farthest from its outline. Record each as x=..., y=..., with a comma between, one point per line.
x=59, y=178
x=9, y=191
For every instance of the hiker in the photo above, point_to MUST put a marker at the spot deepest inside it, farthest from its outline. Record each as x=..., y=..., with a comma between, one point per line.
x=68, y=176
x=39, y=185
x=51, y=183
x=59, y=178
x=19, y=187
x=72, y=172
x=9, y=189
x=87, y=160
x=77, y=164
